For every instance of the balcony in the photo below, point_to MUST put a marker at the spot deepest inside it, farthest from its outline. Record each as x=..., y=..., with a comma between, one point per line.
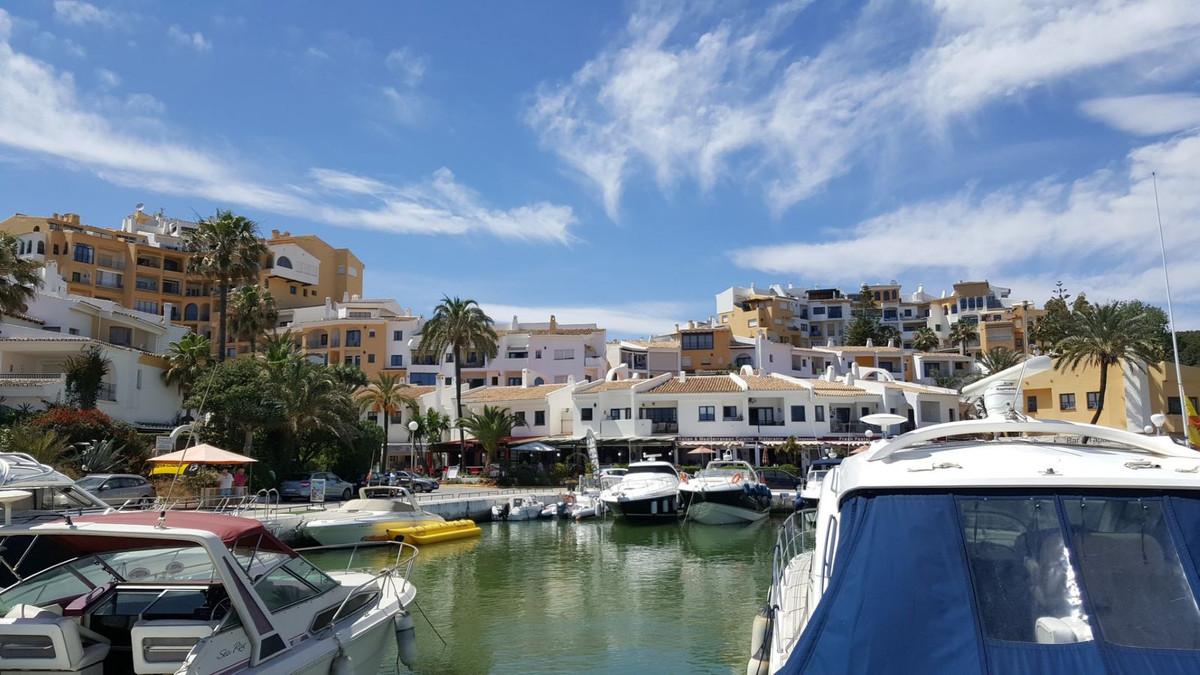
x=147, y=285
x=194, y=292
x=855, y=427
x=172, y=265
x=170, y=287
x=664, y=427
x=766, y=423
x=111, y=263
x=148, y=262
x=109, y=283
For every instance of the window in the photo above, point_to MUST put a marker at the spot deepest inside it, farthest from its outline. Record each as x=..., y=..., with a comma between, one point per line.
x=1093, y=400
x=696, y=341
x=373, y=418
x=148, y=306
x=450, y=357
x=539, y=418
x=449, y=381
x=537, y=382
x=170, y=287
x=354, y=338
x=752, y=323
x=835, y=312
x=1031, y=404
x=730, y=412
x=84, y=253
x=285, y=262
x=191, y=312
x=41, y=248
x=950, y=414
x=293, y=582
x=109, y=279
x=520, y=416
x=514, y=381
x=818, y=310
x=1066, y=401
x=708, y=413
x=396, y=361
x=585, y=414
x=292, y=290
x=370, y=358
x=495, y=381
x=798, y=413
x=564, y=354
x=370, y=333
x=615, y=413
x=1173, y=407
x=818, y=413
x=120, y=335
x=561, y=379
x=397, y=335
x=517, y=354
x=422, y=379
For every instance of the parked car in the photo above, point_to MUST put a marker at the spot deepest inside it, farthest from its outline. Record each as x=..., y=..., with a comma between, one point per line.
x=118, y=488
x=778, y=479
x=299, y=486
x=419, y=483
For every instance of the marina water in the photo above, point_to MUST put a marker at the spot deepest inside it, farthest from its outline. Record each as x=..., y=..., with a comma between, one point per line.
x=589, y=597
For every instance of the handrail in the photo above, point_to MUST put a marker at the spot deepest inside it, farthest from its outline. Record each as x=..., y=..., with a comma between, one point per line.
x=1161, y=446
x=388, y=572
x=797, y=535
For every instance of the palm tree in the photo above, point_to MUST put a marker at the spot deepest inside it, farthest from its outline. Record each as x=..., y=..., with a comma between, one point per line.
x=280, y=347
x=252, y=312
x=997, y=359
x=186, y=361
x=384, y=395
x=962, y=333
x=225, y=249
x=19, y=277
x=1105, y=335
x=85, y=375
x=433, y=425
x=311, y=400
x=925, y=340
x=46, y=446
x=490, y=427
x=458, y=326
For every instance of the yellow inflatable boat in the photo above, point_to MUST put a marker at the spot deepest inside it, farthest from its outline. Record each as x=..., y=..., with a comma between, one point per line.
x=434, y=533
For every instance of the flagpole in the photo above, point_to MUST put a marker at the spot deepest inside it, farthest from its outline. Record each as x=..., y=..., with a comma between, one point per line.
x=1162, y=243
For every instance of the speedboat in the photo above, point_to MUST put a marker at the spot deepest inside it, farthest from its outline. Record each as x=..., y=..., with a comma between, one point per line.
x=38, y=491
x=648, y=491
x=378, y=509
x=188, y=592
x=584, y=504
x=518, y=508
x=997, y=545
x=725, y=492
x=811, y=491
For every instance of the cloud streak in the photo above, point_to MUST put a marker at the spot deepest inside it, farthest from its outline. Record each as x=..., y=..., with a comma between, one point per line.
x=628, y=320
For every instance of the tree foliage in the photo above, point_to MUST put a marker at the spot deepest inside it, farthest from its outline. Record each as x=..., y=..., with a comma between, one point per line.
x=963, y=333
x=490, y=427
x=226, y=250
x=19, y=277
x=997, y=359
x=187, y=360
x=251, y=313
x=85, y=375
x=925, y=340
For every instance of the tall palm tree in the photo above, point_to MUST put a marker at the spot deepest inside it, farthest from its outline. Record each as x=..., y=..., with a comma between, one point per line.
x=997, y=359
x=1105, y=335
x=19, y=277
x=186, y=361
x=490, y=427
x=458, y=326
x=433, y=425
x=85, y=375
x=311, y=400
x=225, y=249
x=962, y=333
x=280, y=347
x=385, y=396
x=252, y=312
x=925, y=340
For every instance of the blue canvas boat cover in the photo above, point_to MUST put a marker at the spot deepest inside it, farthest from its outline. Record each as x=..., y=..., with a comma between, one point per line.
x=1001, y=583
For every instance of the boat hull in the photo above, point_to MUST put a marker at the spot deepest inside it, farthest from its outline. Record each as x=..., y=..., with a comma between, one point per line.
x=724, y=507
x=335, y=533
x=650, y=508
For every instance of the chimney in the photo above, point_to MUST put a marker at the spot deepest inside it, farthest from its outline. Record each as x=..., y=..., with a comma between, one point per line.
x=854, y=369
x=553, y=322
x=691, y=324
x=683, y=376
x=891, y=343
x=570, y=380
x=525, y=378
x=676, y=328
x=829, y=375
x=274, y=234
x=829, y=342
x=345, y=296
x=514, y=324
x=850, y=376
x=166, y=313
x=870, y=342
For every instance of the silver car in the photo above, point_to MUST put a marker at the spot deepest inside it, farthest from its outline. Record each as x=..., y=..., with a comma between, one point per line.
x=118, y=488
x=298, y=486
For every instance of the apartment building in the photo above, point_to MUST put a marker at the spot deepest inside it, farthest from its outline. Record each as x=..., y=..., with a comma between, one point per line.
x=776, y=312
x=142, y=266
x=374, y=335
x=551, y=352
x=704, y=347
x=999, y=321
x=645, y=358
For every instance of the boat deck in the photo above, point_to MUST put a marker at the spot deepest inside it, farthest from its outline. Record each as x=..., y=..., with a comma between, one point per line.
x=792, y=613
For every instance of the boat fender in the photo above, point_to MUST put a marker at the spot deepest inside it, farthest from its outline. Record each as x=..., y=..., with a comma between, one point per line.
x=737, y=478
x=760, y=641
x=342, y=664
x=406, y=640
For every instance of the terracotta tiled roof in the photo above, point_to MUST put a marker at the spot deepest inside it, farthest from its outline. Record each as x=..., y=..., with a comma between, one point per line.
x=31, y=381
x=660, y=344
x=415, y=392
x=921, y=388
x=549, y=331
x=767, y=383
x=825, y=388
x=698, y=384
x=25, y=317
x=612, y=385
x=865, y=350
x=493, y=394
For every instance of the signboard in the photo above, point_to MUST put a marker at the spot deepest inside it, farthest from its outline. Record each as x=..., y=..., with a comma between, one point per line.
x=593, y=451
x=164, y=444
x=451, y=472
x=316, y=490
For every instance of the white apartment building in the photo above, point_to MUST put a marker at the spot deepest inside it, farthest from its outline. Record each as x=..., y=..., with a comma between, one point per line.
x=647, y=358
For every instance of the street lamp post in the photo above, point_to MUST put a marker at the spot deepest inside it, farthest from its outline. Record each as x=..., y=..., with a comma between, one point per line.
x=412, y=448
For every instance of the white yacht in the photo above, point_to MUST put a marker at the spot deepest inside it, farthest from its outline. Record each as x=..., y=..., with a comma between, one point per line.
x=518, y=508
x=647, y=491
x=40, y=491
x=811, y=491
x=998, y=545
x=368, y=518
x=724, y=493
x=188, y=592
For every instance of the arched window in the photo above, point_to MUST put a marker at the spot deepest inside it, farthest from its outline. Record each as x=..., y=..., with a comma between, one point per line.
x=283, y=261
x=41, y=248
x=191, y=312
x=537, y=382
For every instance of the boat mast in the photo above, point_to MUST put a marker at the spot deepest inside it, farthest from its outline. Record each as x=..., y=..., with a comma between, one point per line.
x=1162, y=242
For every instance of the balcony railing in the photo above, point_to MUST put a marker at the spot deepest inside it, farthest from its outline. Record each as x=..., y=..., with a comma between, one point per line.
x=664, y=428
x=194, y=292
x=111, y=263
x=148, y=262
x=110, y=283
x=766, y=423
x=170, y=289
x=172, y=265
x=855, y=427
x=30, y=376
x=147, y=285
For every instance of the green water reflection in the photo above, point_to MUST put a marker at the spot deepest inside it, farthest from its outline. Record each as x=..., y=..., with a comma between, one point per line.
x=591, y=597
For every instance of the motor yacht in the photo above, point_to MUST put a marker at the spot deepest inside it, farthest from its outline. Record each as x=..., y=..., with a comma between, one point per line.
x=811, y=491
x=188, y=592
x=648, y=491
x=368, y=518
x=725, y=492
x=40, y=491
x=997, y=545
x=518, y=508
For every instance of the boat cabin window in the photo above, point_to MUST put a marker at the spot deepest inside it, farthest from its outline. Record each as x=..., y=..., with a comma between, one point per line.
x=1131, y=573
x=60, y=498
x=58, y=585
x=292, y=582
x=817, y=475
x=652, y=468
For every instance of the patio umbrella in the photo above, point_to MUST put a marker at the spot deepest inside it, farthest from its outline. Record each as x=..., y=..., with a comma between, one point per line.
x=702, y=450
x=197, y=454
x=536, y=446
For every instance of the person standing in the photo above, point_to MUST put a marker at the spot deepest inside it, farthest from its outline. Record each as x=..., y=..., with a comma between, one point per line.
x=225, y=482
x=239, y=481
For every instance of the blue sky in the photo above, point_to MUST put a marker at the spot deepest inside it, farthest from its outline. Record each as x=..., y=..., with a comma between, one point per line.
x=623, y=162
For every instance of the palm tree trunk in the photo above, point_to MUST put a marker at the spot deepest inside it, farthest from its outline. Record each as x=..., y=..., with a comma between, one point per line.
x=222, y=306
x=462, y=433
x=387, y=422
x=1103, y=387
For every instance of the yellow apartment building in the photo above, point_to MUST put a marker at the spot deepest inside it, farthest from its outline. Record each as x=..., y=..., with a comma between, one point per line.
x=374, y=335
x=704, y=347
x=772, y=314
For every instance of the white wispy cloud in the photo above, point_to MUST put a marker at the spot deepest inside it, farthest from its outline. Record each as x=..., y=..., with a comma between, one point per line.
x=194, y=40
x=80, y=13
x=1148, y=114
x=630, y=320
x=408, y=65
x=41, y=113
x=726, y=99
x=107, y=78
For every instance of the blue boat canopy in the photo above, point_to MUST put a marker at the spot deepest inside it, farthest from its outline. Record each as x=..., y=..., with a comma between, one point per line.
x=991, y=582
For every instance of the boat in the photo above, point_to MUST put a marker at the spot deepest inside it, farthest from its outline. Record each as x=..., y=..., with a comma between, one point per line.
x=518, y=508
x=996, y=545
x=368, y=518
x=436, y=533
x=725, y=492
x=585, y=504
x=817, y=471
x=648, y=491
x=189, y=592
x=38, y=491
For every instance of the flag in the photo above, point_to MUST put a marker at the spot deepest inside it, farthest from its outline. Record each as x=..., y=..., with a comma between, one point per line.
x=1193, y=429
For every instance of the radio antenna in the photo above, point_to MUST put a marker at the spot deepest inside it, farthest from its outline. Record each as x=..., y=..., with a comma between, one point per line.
x=1162, y=242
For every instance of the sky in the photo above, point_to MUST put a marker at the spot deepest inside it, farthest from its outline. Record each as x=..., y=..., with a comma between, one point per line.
x=623, y=162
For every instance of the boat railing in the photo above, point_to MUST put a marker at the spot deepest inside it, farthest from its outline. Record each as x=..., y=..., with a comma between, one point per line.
x=796, y=536
x=400, y=571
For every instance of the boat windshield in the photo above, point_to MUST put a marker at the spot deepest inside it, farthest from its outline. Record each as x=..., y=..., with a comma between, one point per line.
x=376, y=504
x=63, y=582
x=817, y=475
x=652, y=468
x=722, y=470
